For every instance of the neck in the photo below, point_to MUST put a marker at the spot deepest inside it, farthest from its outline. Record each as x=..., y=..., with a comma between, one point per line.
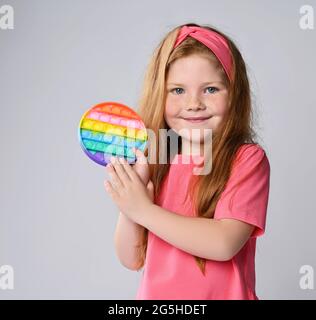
x=191, y=148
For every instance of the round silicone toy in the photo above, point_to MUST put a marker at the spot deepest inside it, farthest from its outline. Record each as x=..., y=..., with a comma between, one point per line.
x=111, y=128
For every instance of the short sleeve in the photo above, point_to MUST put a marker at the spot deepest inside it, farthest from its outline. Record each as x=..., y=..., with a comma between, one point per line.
x=246, y=193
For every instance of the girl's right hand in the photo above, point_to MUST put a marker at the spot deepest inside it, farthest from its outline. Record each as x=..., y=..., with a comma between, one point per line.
x=141, y=166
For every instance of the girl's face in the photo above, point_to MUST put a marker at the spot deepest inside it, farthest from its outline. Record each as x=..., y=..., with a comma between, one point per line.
x=196, y=97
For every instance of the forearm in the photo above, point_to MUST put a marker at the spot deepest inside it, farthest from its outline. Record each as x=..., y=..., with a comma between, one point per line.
x=198, y=236
x=128, y=235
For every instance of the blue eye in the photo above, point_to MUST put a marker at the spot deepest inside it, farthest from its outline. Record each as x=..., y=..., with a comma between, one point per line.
x=214, y=89
x=176, y=89
x=180, y=90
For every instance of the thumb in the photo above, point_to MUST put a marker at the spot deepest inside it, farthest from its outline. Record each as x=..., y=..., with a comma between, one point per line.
x=140, y=157
x=150, y=185
x=150, y=189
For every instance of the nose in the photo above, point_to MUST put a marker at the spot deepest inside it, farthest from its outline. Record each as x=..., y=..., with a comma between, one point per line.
x=194, y=103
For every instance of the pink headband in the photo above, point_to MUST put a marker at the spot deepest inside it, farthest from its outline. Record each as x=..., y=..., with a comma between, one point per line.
x=213, y=41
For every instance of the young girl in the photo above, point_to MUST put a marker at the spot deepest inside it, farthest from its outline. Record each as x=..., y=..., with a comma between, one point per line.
x=195, y=235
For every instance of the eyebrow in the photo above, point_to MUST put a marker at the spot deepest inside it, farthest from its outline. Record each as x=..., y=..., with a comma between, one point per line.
x=203, y=84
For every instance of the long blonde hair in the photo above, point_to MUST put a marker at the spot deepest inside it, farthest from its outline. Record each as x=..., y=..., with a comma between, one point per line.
x=235, y=130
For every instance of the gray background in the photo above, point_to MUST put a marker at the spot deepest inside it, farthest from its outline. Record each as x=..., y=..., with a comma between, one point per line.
x=57, y=221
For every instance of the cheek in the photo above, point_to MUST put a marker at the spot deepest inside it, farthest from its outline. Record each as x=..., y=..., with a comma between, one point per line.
x=171, y=110
x=221, y=105
x=221, y=109
x=167, y=115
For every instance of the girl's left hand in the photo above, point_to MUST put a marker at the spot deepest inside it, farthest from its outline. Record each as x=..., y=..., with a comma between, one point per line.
x=127, y=190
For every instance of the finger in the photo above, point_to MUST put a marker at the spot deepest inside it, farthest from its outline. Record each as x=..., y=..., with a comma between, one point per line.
x=116, y=182
x=109, y=188
x=126, y=167
x=129, y=170
x=120, y=169
x=140, y=157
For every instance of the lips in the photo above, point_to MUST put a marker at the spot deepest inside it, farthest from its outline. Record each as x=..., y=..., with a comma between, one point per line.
x=197, y=119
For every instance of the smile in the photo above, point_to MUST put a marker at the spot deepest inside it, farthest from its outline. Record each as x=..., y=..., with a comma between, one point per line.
x=197, y=119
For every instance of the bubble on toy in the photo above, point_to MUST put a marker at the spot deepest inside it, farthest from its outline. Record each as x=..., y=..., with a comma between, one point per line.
x=111, y=129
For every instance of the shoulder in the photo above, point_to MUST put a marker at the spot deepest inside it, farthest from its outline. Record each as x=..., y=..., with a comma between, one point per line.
x=250, y=151
x=251, y=155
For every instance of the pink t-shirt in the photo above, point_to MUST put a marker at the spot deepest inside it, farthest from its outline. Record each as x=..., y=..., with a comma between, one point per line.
x=171, y=273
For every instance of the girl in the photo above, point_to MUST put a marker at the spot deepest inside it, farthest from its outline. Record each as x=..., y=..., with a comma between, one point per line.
x=195, y=235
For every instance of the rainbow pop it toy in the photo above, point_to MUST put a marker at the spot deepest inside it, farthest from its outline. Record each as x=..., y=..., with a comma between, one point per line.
x=111, y=128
